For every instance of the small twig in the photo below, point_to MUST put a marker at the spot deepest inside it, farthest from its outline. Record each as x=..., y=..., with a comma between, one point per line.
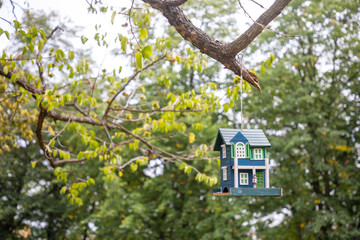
x=53, y=31
x=155, y=110
x=133, y=77
x=77, y=107
x=131, y=27
x=58, y=134
x=13, y=9
x=264, y=27
x=257, y=4
x=6, y=21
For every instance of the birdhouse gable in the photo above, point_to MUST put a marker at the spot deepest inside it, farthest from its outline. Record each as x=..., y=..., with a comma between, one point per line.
x=255, y=137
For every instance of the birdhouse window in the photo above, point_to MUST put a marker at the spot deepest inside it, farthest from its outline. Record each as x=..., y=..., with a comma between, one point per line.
x=240, y=150
x=258, y=154
x=224, y=173
x=244, y=179
x=223, y=151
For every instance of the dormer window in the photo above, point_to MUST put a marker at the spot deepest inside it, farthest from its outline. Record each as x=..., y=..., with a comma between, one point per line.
x=240, y=150
x=223, y=151
x=258, y=154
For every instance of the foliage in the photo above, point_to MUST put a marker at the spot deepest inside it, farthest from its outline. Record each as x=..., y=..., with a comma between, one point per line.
x=309, y=110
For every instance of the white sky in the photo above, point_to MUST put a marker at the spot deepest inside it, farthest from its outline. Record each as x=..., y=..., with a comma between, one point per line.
x=76, y=10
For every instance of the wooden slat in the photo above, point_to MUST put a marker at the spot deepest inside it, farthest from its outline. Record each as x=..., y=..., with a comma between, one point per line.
x=221, y=194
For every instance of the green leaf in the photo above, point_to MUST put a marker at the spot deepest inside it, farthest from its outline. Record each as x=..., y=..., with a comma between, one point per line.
x=147, y=51
x=113, y=17
x=139, y=60
x=272, y=57
x=143, y=33
x=71, y=55
x=124, y=44
x=6, y=70
x=262, y=69
x=226, y=108
x=83, y=39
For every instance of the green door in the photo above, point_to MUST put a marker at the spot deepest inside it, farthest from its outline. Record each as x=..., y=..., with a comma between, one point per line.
x=260, y=179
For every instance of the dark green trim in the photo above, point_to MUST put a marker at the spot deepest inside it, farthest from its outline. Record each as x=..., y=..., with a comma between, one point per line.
x=269, y=192
x=216, y=190
x=232, y=149
x=264, y=153
x=247, y=148
x=251, y=154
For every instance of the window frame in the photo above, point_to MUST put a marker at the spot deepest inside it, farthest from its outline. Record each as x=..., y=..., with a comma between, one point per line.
x=224, y=173
x=244, y=177
x=223, y=151
x=242, y=147
x=257, y=154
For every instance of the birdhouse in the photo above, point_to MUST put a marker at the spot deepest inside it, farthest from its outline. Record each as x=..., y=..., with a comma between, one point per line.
x=244, y=167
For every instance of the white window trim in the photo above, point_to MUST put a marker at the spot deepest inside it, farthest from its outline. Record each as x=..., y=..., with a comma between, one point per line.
x=242, y=145
x=223, y=151
x=256, y=156
x=245, y=177
x=224, y=173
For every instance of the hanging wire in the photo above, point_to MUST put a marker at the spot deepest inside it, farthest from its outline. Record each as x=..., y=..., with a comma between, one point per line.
x=240, y=58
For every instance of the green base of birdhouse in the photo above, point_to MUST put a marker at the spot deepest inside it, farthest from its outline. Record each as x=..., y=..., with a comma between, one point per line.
x=256, y=192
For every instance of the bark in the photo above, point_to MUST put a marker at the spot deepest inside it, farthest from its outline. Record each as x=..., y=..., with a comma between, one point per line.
x=222, y=52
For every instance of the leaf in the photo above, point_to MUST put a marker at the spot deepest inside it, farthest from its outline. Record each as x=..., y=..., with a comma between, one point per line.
x=191, y=138
x=226, y=108
x=143, y=33
x=113, y=17
x=139, y=60
x=262, y=69
x=33, y=164
x=147, y=51
x=124, y=44
x=6, y=70
x=272, y=57
x=78, y=201
x=83, y=39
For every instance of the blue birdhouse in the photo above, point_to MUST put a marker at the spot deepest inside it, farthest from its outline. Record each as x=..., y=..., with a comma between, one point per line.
x=244, y=167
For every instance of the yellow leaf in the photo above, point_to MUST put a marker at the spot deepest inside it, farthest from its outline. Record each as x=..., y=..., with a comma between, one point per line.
x=33, y=164
x=317, y=201
x=7, y=147
x=343, y=148
x=191, y=137
x=302, y=225
x=51, y=131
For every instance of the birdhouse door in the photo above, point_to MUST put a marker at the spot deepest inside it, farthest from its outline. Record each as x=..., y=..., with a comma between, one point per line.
x=260, y=179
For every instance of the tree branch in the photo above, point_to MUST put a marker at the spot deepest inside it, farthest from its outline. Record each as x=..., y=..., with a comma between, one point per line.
x=39, y=125
x=252, y=32
x=175, y=3
x=224, y=53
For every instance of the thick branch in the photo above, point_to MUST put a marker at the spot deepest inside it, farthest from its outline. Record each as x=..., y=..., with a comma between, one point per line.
x=22, y=82
x=260, y=24
x=175, y=3
x=224, y=53
x=39, y=126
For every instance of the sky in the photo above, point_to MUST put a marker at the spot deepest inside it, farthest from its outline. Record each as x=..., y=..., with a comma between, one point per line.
x=76, y=10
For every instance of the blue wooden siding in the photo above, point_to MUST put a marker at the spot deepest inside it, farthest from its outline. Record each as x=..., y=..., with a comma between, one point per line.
x=248, y=162
x=225, y=162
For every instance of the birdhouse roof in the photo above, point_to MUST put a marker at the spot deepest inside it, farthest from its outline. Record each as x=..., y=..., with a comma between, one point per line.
x=256, y=137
